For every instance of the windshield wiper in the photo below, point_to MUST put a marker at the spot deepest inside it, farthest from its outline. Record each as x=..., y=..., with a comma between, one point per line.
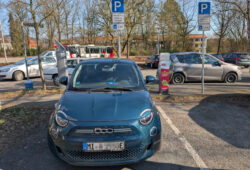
x=118, y=88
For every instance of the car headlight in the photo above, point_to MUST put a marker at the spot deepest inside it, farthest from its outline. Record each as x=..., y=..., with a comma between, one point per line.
x=61, y=119
x=5, y=70
x=146, y=117
x=239, y=68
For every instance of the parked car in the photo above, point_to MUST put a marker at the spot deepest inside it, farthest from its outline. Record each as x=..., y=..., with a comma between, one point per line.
x=188, y=67
x=152, y=61
x=105, y=116
x=18, y=72
x=51, y=73
x=53, y=54
x=219, y=56
x=239, y=58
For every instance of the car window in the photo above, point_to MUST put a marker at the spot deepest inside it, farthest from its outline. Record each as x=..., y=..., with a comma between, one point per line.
x=33, y=61
x=49, y=54
x=48, y=60
x=189, y=58
x=71, y=63
x=102, y=75
x=209, y=60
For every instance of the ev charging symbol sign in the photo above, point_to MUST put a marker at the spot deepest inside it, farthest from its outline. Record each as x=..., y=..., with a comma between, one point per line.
x=118, y=6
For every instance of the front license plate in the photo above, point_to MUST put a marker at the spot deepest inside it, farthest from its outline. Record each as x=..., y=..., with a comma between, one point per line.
x=103, y=146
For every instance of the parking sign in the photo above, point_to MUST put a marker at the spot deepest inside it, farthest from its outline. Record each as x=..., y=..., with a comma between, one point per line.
x=118, y=6
x=204, y=16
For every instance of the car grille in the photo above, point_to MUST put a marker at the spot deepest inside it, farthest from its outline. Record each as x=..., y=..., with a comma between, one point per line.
x=129, y=154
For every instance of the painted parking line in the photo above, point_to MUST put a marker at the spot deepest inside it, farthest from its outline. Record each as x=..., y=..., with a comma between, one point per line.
x=187, y=145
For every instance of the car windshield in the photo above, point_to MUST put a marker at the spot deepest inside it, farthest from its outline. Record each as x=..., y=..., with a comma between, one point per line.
x=44, y=53
x=243, y=55
x=21, y=62
x=108, y=76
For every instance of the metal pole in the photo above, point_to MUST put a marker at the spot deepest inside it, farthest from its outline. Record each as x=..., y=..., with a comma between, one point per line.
x=25, y=55
x=119, y=45
x=5, y=55
x=158, y=44
x=203, y=53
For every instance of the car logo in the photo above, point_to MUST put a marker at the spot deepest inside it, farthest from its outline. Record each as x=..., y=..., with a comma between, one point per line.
x=103, y=130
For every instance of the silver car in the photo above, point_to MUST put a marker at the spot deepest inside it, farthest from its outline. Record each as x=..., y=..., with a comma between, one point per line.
x=18, y=72
x=188, y=67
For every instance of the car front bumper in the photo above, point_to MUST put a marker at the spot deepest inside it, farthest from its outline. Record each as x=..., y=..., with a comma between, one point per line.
x=5, y=75
x=243, y=63
x=139, y=145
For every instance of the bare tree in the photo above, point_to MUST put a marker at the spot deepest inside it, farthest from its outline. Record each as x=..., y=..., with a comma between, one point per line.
x=222, y=20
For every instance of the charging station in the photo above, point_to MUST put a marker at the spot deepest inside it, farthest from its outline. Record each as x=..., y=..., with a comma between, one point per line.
x=164, y=77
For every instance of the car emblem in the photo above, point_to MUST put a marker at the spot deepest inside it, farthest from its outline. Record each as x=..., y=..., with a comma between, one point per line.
x=103, y=130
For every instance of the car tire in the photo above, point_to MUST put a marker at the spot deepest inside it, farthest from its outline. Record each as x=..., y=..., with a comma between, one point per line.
x=52, y=146
x=56, y=80
x=178, y=78
x=231, y=78
x=18, y=76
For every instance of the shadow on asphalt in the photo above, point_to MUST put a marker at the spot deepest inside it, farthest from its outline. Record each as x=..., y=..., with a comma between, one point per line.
x=227, y=117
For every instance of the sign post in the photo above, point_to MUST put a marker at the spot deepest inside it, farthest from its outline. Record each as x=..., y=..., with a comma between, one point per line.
x=203, y=25
x=118, y=20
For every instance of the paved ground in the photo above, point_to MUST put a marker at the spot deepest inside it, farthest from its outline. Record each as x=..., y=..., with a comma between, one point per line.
x=205, y=134
x=178, y=90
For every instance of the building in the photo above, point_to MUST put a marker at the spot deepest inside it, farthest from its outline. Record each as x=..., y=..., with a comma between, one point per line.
x=32, y=44
x=197, y=42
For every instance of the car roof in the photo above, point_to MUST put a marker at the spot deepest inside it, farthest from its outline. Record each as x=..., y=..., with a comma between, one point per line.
x=185, y=53
x=109, y=60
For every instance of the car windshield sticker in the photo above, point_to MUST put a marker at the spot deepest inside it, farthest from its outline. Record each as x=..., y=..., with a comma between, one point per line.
x=78, y=82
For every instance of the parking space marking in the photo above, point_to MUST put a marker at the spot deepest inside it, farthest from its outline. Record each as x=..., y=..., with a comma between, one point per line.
x=187, y=145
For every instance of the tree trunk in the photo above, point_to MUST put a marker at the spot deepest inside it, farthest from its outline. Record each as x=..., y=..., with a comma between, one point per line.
x=219, y=45
x=36, y=27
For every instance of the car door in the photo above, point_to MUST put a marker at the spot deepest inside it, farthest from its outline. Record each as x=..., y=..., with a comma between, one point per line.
x=33, y=68
x=213, y=70
x=192, y=66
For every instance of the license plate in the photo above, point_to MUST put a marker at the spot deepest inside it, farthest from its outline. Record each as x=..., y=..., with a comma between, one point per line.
x=103, y=146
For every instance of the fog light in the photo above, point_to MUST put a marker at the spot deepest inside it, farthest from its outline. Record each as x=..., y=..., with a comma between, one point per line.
x=153, y=131
x=54, y=133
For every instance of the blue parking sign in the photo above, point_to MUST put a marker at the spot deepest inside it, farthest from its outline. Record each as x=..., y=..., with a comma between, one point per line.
x=118, y=6
x=204, y=8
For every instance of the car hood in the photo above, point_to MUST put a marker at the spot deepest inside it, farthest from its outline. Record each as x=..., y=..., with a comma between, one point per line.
x=104, y=106
x=8, y=66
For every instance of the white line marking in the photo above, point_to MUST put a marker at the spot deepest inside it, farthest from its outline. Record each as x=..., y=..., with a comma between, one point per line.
x=187, y=145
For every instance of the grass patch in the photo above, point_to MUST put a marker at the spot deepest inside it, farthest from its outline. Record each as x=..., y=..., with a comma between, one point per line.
x=35, y=92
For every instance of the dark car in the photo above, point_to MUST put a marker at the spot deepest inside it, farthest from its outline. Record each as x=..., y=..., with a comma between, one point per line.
x=105, y=116
x=238, y=58
x=152, y=61
x=219, y=56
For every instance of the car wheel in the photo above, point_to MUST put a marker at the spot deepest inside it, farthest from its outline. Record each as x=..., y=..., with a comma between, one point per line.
x=178, y=78
x=52, y=146
x=56, y=80
x=231, y=78
x=18, y=76
x=246, y=66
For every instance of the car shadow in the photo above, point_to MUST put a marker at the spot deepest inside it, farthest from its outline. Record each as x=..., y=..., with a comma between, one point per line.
x=227, y=117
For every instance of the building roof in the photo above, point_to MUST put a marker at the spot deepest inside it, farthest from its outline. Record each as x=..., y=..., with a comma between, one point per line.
x=32, y=43
x=196, y=36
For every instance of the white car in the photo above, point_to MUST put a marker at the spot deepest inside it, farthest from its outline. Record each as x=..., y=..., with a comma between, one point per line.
x=51, y=73
x=53, y=54
x=18, y=72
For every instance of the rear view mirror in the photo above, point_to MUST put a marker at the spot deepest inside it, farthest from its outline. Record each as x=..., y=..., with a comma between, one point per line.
x=63, y=80
x=150, y=79
x=217, y=63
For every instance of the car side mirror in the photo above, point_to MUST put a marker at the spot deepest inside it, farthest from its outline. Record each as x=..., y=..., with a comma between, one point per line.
x=217, y=63
x=150, y=79
x=63, y=80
